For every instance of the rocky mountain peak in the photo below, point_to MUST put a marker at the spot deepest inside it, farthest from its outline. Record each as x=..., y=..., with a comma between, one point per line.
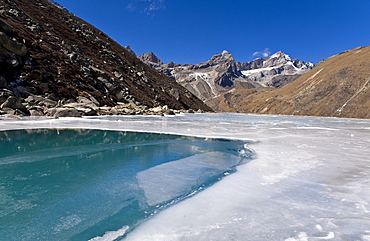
x=279, y=55
x=150, y=57
x=128, y=48
x=276, y=59
x=223, y=57
x=226, y=54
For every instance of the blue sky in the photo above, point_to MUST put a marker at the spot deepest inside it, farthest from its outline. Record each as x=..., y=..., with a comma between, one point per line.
x=191, y=31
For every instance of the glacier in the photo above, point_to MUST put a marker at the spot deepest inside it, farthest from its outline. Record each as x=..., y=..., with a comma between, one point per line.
x=309, y=179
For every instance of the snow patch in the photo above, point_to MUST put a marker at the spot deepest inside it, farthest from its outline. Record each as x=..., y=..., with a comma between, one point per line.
x=301, y=237
x=314, y=75
x=111, y=235
x=330, y=235
x=254, y=71
x=203, y=76
x=277, y=55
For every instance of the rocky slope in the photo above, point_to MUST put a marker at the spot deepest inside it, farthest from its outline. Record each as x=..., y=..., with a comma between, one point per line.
x=337, y=87
x=221, y=73
x=53, y=63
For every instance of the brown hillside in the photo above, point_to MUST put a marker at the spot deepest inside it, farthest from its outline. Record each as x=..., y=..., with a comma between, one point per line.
x=339, y=87
x=65, y=58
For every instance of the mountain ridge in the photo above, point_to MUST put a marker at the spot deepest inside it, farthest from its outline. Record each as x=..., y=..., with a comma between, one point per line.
x=222, y=73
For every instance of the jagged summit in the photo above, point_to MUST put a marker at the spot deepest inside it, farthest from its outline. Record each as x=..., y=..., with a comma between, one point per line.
x=150, y=57
x=225, y=56
x=276, y=59
x=128, y=48
x=280, y=54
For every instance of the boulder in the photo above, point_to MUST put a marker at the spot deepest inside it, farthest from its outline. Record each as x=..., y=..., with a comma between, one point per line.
x=88, y=109
x=3, y=82
x=156, y=109
x=21, y=91
x=175, y=93
x=4, y=95
x=63, y=112
x=169, y=112
x=34, y=99
x=5, y=27
x=12, y=45
x=36, y=112
x=97, y=72
x=13, y=103
x=104, y=110
x=90, y=100
x=13, y=62
x=112, y=88
x=90, y=105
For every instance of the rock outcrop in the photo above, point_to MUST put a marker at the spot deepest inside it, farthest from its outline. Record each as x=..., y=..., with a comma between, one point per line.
x=221, y=73
x=338, y=87
x=50, y=60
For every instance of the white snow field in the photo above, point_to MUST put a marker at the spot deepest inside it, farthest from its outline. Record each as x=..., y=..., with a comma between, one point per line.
x=309, y=179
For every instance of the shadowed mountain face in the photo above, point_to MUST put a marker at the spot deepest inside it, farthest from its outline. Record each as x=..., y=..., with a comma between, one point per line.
x=337, y=87
x=221, y=73
x=48, y=53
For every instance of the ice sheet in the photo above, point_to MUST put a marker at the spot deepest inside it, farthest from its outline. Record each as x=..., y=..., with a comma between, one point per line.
x=170, y=180
x=309, y=181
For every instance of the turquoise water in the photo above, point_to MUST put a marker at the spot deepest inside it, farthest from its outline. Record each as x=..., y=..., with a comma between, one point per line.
x=83, y=184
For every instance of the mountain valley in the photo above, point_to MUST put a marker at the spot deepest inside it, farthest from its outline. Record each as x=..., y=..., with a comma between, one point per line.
x=55, y=64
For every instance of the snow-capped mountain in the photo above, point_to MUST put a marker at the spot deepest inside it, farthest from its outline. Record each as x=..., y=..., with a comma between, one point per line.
x=275, y=70
x=221, y=73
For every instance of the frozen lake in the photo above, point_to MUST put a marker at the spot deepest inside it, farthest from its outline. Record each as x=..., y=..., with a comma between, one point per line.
x=309, y=179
